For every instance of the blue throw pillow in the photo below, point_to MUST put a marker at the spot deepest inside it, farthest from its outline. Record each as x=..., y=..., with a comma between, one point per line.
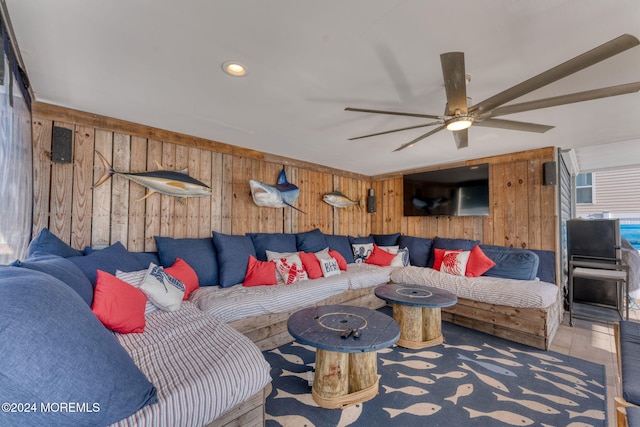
x=115, y=257
x=342, y=245
x=419, y=249
x=386, y=239
x=55, y=350
x=233, y=257
x=311, y=241
x=511, y=263
x=452, y=244
x=47, y=242
x=146, y=258
x=360, y=240
x=63, y=270
x=199, y=253
x=274, y=242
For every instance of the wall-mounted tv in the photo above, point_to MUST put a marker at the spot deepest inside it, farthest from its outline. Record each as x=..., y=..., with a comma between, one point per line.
x=461, y=191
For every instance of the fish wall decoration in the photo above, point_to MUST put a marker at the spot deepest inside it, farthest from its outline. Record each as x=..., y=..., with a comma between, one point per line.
x=339, y=200
x=280, y=195
x=172, y=183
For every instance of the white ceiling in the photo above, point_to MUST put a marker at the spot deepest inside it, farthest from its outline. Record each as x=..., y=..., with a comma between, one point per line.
x=158, y=63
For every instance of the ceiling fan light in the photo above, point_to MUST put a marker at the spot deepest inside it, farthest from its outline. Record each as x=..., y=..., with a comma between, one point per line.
x=459, y=123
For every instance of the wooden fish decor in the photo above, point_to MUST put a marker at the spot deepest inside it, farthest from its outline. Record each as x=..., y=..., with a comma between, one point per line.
x=171, y=183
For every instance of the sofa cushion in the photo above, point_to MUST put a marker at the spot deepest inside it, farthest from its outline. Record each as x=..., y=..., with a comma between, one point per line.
x=451, y=244
x=340, y=244
x=289, y=266
x=401, y=259
x=311, y=241
x=233, y=257
x=63, y=270
x=164, y=290
x=386, y=239
x=361, y=251
x=342, y=263
x=630, y=360
x=275, y=242
x=118, y=305
x=380, y=257
x=478, y=263
x=311, y=264
x=146, y=258
x=260, y=273
x=115, y=257
x=55, y=350
x=451, y=262
x=419, y=249
x=360, y=240
x=511, y=263
x=49, y=243
x=199, y=253
x=182, y=271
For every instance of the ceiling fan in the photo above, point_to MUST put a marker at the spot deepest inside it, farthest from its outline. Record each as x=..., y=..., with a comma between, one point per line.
x=459, y=116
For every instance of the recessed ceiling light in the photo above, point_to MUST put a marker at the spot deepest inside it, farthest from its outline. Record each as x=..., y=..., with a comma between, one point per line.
x=234, y=69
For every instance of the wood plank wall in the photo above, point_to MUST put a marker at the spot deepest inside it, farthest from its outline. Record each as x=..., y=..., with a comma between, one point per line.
x=522, y=214
x=65, y=202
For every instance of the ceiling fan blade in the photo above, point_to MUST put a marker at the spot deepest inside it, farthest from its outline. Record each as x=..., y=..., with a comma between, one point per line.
x=513, y=125
x=455, y=82
x=567, y=99
x=462, y=138
x=396, y=130
x=420, y=138
x=393, y=113
x=600, y=53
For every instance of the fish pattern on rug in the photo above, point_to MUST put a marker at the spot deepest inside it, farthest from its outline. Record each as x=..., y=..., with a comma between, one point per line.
x=473, y=379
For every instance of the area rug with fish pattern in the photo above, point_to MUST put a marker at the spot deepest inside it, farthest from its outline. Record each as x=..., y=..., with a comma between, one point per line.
x=472, y=379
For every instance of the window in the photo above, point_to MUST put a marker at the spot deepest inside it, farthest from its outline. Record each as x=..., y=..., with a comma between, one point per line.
x=584, y=188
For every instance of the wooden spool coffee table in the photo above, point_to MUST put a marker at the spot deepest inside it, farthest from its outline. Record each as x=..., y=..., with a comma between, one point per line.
x=417, y=309
x=346, y=368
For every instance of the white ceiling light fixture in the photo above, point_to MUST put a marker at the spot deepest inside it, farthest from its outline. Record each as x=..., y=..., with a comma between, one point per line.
x=459, y=122
x=234, y=68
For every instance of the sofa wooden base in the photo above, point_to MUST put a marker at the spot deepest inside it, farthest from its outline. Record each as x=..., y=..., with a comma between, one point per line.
x=530, y=326
x=270, y=330
x=249, y=413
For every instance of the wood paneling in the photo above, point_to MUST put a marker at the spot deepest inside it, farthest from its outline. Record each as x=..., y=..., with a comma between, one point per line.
x=522, y=212
x=119, y=210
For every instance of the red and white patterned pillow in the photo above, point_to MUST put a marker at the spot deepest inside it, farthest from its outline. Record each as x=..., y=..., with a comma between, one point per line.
x=289, y=266
x=455, y=262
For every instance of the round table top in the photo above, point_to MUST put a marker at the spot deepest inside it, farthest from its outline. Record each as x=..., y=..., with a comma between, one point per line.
x=322, y=327
x=416, y=295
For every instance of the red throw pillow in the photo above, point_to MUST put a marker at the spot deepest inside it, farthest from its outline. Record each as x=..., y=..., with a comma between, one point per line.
x=311, y=264
x=438, y=255
x=380, y=257
x=260, y=273
x=342, y=263
x=187, y=275
x=118, y=305
x=478, y=263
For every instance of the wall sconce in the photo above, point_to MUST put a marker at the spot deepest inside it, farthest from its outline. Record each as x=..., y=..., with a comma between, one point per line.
x=371, y=202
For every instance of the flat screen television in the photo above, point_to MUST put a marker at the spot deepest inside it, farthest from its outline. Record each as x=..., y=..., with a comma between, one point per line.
x=461, y=191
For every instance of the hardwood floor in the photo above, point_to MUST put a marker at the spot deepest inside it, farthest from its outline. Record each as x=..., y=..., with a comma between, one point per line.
x=593, y=341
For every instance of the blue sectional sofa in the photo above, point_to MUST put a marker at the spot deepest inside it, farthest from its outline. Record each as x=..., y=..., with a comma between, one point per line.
x=59, y=350
x=627, y=337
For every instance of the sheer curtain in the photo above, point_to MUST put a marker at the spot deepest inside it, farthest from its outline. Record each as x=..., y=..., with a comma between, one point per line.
x=16, y=173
